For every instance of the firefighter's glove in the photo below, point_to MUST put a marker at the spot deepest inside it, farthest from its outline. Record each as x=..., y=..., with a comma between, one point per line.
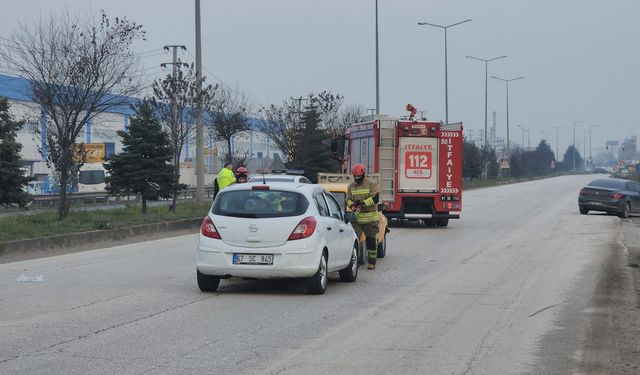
x=369, y=202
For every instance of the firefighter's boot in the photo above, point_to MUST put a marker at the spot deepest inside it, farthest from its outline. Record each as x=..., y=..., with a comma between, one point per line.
x=373, y=255
x=371, y=266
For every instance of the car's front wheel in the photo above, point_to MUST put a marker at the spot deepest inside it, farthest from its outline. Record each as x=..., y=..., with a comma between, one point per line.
x=584, y=210
x=626, y=210
x=318, y=283
x=350, y=273
x=208, y=283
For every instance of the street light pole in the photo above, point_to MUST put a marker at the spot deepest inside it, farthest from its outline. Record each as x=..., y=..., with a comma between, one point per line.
x=446, y=78
x=486, y=82
x=506, y=81
x=557, y=127
x=574, y=142
x=591, y=127
x=523, y=130
x=377, y=66
x=199, y=117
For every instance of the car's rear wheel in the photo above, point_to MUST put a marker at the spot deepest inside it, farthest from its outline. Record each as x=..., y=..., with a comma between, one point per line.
x=350, y=273
x=208, y=283
x=382, y=247
x=625, y=211
x=318, y=283
x=584, y=210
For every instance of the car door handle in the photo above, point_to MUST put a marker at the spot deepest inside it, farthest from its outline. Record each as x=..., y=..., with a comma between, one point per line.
x=341, y=230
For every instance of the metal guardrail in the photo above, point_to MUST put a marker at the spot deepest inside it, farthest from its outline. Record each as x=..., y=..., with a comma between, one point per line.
x=83, y=199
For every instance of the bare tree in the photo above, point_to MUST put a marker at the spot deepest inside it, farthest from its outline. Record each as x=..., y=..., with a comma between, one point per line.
x=349, y=114
x=78, y=69
x=285, y=126
x=228, y=117
x=174, y=100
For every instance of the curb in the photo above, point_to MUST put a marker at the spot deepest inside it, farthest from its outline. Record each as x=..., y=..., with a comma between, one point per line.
x=12, y=251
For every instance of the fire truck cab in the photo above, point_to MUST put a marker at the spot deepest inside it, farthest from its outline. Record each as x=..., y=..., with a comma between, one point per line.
x=419, y=162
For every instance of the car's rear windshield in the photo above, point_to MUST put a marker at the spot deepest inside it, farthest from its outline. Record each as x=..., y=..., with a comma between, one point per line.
x=609, y=184
x=259, y=203
x=340, y=197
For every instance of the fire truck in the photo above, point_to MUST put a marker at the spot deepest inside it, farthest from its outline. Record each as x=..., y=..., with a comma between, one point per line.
x=419, y=162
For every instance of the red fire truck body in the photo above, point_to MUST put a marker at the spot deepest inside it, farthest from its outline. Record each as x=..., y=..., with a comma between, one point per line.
x=419, y=162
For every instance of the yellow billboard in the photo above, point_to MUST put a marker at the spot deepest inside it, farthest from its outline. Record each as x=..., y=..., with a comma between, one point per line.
x=93, y=152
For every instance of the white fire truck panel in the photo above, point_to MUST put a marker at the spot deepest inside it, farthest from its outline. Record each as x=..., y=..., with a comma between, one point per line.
x=418, y=164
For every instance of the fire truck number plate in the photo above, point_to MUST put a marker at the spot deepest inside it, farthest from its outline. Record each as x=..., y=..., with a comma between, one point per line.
x=418, y=164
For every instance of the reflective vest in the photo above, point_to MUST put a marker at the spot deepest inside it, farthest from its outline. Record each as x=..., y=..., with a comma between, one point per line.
x=364, y=192
x=225, y=178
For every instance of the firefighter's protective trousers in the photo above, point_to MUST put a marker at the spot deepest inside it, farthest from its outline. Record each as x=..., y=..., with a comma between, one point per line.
x=364, y=197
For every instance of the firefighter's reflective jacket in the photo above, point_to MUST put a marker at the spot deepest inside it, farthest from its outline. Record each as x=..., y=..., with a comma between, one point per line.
x=364, y=194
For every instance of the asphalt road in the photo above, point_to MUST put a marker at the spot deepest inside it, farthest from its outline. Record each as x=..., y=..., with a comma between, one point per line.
x=487, y=295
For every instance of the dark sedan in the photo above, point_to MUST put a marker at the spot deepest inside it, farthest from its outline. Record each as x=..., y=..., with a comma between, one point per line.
x=610, y=195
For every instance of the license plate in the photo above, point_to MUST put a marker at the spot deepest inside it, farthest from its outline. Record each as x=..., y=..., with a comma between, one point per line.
x=264, y=259
x=595, y=203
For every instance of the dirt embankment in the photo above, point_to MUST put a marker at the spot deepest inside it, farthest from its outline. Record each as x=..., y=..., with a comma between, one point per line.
x=613, y=337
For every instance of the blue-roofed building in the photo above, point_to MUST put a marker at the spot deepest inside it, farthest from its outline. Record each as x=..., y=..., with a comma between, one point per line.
x=103, y=128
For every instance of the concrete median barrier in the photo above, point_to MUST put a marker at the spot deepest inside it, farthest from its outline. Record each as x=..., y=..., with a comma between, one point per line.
x=12, y=251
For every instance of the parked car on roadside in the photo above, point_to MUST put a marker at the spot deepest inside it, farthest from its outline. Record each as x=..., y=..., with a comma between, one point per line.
x=276, y=230
x=280, y=176
x=611, y=195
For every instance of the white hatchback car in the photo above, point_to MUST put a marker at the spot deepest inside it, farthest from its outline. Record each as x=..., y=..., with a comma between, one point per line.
x=270, y=178
x=277, y=230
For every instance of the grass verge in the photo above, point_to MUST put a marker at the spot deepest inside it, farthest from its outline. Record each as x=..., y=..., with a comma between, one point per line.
x=44, y=224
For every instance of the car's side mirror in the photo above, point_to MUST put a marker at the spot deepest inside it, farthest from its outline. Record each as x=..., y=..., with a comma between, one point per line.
x=382, y=206
x=349, y=217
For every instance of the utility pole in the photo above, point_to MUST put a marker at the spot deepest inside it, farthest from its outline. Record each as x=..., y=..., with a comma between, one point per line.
x=175, y=64
x=299, y=100
x=199, y=121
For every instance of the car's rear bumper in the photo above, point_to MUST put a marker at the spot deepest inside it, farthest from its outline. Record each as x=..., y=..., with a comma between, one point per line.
x=612, y=205
x=286, y=264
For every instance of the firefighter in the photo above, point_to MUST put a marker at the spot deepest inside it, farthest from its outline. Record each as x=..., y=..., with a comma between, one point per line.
x=241, y=175
x=362, y=198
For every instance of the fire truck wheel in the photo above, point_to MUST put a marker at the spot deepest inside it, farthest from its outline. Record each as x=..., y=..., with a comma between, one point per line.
x=429, y=223
x=442, y=221
x=382, y=247
x=362, y=254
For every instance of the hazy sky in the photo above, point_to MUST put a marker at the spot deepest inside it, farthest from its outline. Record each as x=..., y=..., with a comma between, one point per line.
x=581, y=58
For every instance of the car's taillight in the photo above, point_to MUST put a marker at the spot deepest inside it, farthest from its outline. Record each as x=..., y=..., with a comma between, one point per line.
x=583, y=192
x=616, y=196
x=208, y=229
x=304, y=229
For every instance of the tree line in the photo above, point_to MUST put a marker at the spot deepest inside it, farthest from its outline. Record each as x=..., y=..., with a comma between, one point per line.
x=79, y=68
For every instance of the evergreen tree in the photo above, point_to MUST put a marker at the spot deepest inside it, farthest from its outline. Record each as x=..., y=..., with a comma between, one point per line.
x=517, y=164
x=471, y=160
x=12, y=178
x=567, y=161
x=541, y=158
x=144, y=167
x=314, y=156
x=490, y=161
